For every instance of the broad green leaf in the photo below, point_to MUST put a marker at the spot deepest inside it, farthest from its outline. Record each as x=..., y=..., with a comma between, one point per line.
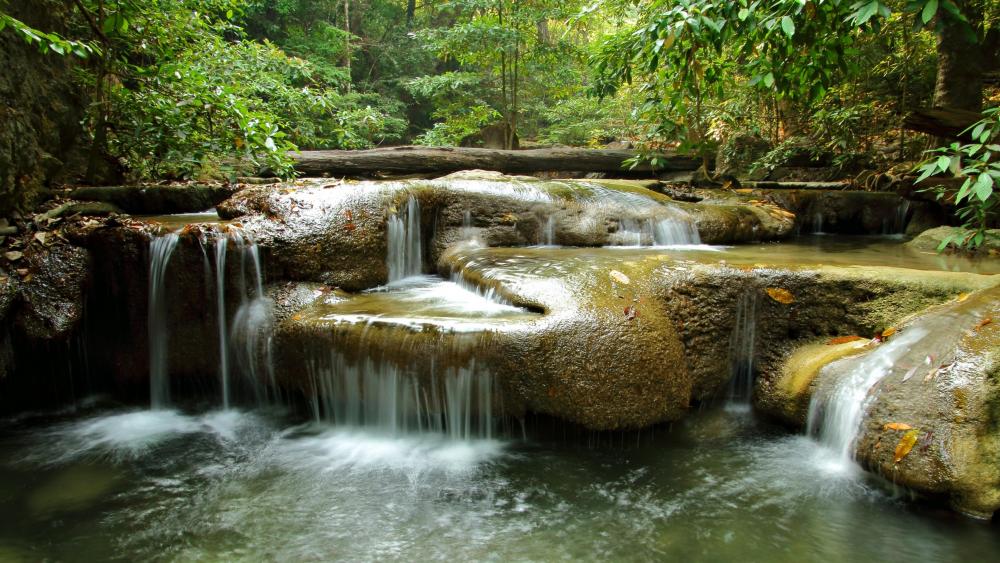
x=788, y=26
x=984, y=187
x=943, y=163
x=930, y=9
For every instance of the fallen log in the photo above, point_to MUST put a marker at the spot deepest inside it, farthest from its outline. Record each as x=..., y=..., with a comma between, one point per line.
x=421, y=160
x=942, y=122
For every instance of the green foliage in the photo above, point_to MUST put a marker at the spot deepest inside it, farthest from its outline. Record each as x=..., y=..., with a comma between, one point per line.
x=977, y=199
x=47, y=42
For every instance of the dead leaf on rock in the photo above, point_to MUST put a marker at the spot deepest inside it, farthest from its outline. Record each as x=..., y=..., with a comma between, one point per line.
x=905, y=445
x=13, y=255
x=631, y=313
x=887, y=332
x=962, y=297
x=897, y=426
x=844, y=340
x=909, y=374
x=782, y=296
x=982, y=323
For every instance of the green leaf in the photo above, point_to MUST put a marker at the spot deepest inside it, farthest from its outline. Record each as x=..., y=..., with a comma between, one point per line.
x=788, y=26
x=984, y=187
x=930, y=9
x=769, y=79
x=943, y=163
x=743, y=15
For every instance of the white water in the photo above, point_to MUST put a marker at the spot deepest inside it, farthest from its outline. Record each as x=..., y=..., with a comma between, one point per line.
x=836, y=416
x=381, y=396
x=678, y=231
x=741, y=349
x=249, y=334
x=404, y=253
x=160, y=251
x=549, y=233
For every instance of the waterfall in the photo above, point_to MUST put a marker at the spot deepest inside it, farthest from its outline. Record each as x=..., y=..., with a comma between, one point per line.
x=249, y=335
x=379, y=395
x=896, y=224
x=404, y=253
x=741, y=349
x=220, y=296
x=549, y=232
x=817, y=223
x=835, y=416
x=160, y=251
x=674, y=231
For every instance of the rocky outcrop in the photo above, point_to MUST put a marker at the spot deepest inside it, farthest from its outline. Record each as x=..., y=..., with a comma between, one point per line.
x=931, y=239
x=41, y=109
x=157, y=200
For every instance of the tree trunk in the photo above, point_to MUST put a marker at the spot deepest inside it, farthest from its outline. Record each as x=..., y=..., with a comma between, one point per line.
x=960, y=63
x=421, y=160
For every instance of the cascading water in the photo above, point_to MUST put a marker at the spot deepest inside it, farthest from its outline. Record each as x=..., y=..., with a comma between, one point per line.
x=741, y=349
x=549, y=232
x=378, y=395
x=677, y=231
x=897, y=223
x=836, y=416
x=249, y=333
x=160, y=250
x=404, y=253
x=220, y=296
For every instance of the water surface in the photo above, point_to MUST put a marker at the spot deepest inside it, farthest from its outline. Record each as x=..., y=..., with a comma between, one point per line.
x=231, y=485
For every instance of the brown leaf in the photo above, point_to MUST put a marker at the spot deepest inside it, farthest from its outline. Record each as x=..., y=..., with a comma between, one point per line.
x=897, y=426
x=843, y=340
x=905, y=445
x=782, y=296
x=631, y=313
x=982, y=323
x=13, y=255
x=22, y=272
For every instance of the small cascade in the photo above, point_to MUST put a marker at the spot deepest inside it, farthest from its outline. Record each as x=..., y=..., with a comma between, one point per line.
x=741, y=350
x=817, y=223
x=675, y=232
x=548, y=237
x=221, y=245
x=247, y=339
x=836, y=415
x=160, y=251
x=896, y=224
x=656, y=232
x=404, y=253
x=381, y=396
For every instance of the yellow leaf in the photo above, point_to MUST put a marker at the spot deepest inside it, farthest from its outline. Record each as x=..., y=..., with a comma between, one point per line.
x=619, y=277
x=905, y=445
x=963, y=296
x=897, y=426
x=743, y=190
x=888, y=332
x=782, y=296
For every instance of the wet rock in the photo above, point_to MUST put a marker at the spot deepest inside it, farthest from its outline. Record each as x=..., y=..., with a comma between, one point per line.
x=952, y=406
x=845, y=302
x=52, y=295
x=931, y=239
